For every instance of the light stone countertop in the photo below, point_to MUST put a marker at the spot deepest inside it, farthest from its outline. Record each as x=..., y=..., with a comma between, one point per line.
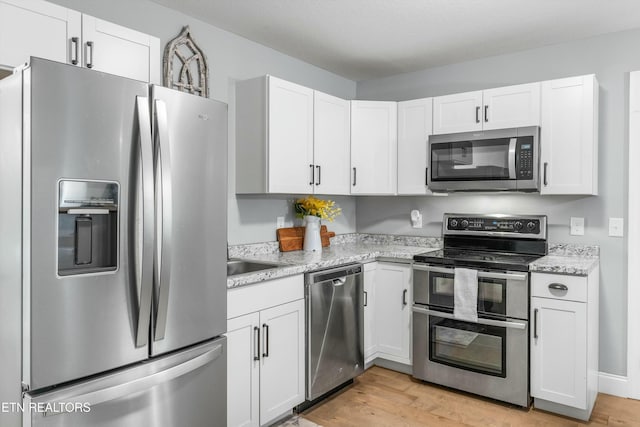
x=577, y=260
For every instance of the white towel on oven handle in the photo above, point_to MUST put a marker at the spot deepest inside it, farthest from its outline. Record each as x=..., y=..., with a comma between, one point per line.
x=465, y=294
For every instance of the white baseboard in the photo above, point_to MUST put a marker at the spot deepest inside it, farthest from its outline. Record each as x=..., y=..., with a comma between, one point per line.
x=616, y=385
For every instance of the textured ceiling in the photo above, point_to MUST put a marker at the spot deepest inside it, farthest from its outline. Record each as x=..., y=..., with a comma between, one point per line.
x=365, y=39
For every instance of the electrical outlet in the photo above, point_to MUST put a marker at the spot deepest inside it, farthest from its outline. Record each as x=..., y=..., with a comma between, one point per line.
x=280, y=222
x=616, y=227
x=577, y=226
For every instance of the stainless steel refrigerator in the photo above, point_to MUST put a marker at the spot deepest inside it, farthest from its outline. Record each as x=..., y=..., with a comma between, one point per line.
x=112, y=251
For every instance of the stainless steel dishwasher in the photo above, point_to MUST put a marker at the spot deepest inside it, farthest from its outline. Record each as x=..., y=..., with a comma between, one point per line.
x=334, y=320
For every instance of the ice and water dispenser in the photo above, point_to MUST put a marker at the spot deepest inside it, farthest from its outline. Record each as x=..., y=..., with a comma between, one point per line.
x=87, y=227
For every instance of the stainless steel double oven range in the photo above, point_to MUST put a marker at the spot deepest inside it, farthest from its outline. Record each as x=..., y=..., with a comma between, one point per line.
x=489, y=357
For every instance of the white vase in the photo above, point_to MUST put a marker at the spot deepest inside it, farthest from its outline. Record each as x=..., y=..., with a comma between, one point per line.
x=312, y=241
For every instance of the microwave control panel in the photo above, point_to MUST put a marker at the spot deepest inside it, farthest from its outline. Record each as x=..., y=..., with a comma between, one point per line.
x=524, y=158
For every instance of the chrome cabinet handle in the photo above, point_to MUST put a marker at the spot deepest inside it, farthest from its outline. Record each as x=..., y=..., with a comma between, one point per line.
x=535, y=323
x=265, y=327
x=558, y=287
x=404, y=297
x=319, y=177
x=256, y=351
x=545, y=174
x=354, y=177
x=486, y=113
x=75, y=44
x=478, y=114
x=89, y=54
x=311, y=176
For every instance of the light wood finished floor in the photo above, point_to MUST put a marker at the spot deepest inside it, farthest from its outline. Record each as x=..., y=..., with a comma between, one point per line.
x=381, y=397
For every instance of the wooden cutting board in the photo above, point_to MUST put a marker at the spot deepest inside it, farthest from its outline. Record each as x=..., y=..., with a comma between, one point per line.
x=292, y=238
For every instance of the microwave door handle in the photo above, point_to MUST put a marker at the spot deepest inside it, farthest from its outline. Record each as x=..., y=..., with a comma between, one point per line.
x=512, y=158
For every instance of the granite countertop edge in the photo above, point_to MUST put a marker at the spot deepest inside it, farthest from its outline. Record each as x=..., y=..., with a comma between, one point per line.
x=575, y=260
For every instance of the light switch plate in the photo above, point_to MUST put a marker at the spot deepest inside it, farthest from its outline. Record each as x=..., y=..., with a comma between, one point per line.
x=280, y=222
x=616, y=227
x=577, y=226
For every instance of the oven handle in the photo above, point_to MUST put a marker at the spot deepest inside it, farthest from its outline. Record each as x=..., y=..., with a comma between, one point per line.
x=481, y=274
x=488, y=322
x=512, y=158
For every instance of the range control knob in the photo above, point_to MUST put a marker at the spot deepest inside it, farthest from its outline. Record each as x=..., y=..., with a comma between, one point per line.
x=465, y=223
x=518, y=225
x=453, y=223
x=531, y=225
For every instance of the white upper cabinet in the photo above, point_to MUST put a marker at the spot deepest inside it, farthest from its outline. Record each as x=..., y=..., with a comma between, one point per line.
x=459, y=112
x=414, y=128
x=511, y=106
x=569, y=136
x=37, y=28
x=374, y=147
x=331, y=137
x=290, y=137
x=42, y=29
x=118, y=50
x=499, y=108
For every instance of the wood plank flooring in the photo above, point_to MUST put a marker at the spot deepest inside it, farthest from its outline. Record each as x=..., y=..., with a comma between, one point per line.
x=381, y=397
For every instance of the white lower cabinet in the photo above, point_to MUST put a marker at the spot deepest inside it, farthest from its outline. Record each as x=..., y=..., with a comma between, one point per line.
x=370, y=339
x=266, y=351
x=392, y=321
x=564, y=343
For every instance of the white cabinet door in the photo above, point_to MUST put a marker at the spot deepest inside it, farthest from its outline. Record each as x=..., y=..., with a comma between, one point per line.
x=38, y=28
x=370, y=340
x=282, y=370
x=460, y=112
x=331, y=144
x=511, y=106
x=559, y=351
x=374, y=147
x=243, y=371
x=414, y=127
x=118, y=50
x=290, y=141
x=569, y=136
x=393, y=311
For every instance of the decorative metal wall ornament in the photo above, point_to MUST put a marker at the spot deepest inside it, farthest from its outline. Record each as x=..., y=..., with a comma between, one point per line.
x=185, y=65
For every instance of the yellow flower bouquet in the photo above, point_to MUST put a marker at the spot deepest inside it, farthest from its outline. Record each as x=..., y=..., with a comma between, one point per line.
x=323, y=209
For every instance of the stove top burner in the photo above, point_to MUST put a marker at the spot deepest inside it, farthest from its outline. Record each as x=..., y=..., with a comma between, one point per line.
x=477, y=259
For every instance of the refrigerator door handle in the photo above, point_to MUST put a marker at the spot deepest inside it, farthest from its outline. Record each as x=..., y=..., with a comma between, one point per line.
x=163, y=243
x=107, y=394
x=146, y=261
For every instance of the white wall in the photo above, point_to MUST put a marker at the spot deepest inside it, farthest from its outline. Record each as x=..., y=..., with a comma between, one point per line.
x=610, y=57
x=231, y=58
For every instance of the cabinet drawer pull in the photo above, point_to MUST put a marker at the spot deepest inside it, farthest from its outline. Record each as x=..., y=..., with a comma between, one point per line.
x=544, y=180
x=486, y=113
x=318, y=170
x=558, y=287
x=311, y=177
x=478, y=114
x=366, y=299
x=426, y=176
x=265, y=327
x=256, y=351
x=404, y=297
x=535, y=323
x=75, y=42
x=354, y=177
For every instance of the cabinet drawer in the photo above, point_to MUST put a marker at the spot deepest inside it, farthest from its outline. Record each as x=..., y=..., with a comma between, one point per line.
x=552, y=286
x=262, y=295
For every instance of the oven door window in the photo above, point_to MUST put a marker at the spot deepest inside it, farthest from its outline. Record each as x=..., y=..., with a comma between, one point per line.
x=492, y=293
x=468, y=346
x=479, y=160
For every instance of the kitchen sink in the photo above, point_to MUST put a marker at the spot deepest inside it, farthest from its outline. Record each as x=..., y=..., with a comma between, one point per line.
x=239, y=266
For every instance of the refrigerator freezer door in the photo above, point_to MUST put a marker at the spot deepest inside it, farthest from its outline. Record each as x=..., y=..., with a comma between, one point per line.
x=190, y=293
x=83, y=125
x=183, y=389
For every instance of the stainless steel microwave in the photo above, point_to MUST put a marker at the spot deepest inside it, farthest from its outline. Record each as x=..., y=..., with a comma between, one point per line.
x=495, y=160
